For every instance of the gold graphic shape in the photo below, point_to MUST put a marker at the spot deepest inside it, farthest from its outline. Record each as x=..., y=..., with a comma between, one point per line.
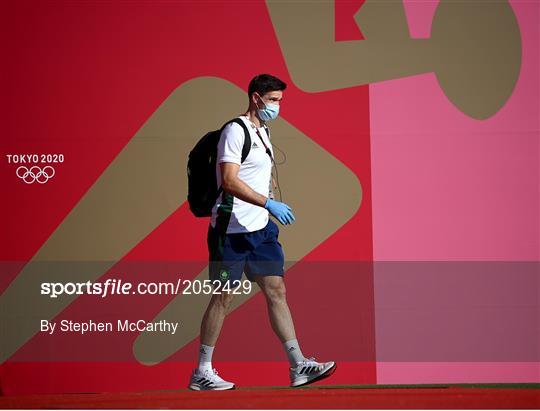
x=143, y=186
x=323, y=193
x=474, y=49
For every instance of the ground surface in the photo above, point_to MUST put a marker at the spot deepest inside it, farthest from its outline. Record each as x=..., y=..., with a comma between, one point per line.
x=464, y=396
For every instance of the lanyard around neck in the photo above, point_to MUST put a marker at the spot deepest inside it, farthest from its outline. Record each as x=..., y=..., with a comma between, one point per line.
x=264, y=144
x=262, y=140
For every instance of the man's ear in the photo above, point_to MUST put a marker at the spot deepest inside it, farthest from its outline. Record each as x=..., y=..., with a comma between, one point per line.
x=256, y=99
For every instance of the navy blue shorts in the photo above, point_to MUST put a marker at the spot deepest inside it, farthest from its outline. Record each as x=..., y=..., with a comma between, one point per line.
x=255, y=253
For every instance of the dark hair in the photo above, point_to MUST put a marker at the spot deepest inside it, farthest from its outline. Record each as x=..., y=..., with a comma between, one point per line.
x=263, y=83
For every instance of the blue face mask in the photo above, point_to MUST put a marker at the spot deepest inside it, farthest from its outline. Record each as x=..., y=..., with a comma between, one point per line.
x=269, y=112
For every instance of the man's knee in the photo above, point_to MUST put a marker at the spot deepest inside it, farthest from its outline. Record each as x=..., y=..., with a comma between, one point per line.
x=222, y=300
x=274, y=290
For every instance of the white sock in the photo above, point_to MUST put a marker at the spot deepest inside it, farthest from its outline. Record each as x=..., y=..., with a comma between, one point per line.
x=205, y=357
x=293, y=352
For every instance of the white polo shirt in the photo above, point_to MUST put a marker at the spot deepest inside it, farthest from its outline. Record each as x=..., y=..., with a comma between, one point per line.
x=255, y=171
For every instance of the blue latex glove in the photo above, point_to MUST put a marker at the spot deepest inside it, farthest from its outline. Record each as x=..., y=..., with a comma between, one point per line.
x=280, y=210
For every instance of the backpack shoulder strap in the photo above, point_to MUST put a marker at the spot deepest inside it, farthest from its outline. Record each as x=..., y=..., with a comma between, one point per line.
x=247, y=139
x=245, y=148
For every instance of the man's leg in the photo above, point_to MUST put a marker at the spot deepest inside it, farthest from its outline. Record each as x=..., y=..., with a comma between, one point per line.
x=273, y=288
x=223, y=259
x=226, y=264
x=279, y=314
x=214, y=316
x=211, y=325
x=303, y=371
x=204, y=377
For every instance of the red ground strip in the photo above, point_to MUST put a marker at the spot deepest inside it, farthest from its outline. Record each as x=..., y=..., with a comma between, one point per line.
x=25, y=379
x=323, y=398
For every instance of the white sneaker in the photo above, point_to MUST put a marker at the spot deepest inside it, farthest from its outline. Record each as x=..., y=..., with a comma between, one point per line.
x=208, y=380
x=309, y=371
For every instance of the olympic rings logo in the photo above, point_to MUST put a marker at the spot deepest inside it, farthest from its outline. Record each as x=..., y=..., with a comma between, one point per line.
x=35, y=174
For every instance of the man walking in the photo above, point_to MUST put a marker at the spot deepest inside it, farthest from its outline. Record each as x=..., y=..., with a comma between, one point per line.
x=242, y=237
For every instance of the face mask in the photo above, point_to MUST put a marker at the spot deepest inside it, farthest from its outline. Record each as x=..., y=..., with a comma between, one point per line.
x=269, y=112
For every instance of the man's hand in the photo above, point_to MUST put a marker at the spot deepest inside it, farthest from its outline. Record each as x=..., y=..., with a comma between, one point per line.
x=280, y=210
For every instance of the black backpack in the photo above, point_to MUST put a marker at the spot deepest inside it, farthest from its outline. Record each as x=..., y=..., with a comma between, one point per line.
x=201, y=170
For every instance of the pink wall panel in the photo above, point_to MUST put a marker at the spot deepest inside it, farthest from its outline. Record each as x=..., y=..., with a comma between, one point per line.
x=447, y=187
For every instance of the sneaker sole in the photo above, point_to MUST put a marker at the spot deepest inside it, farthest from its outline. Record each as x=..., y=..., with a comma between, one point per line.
x=198, y=388
x=324, y=375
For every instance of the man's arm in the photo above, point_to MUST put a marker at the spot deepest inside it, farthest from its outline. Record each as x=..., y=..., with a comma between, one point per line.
x=233, y=185
x=229, y=158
